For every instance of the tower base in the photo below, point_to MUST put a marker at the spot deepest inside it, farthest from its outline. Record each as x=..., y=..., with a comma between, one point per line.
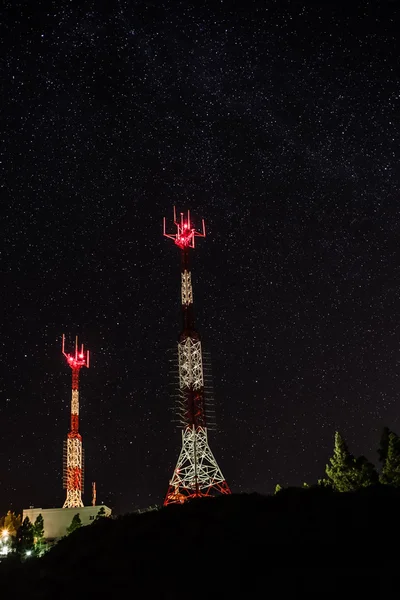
x=73, y=501
x=197, y=473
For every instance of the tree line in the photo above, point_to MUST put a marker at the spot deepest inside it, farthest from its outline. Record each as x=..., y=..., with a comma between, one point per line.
x=347, y=473
x=22, y=537
x=25, y=539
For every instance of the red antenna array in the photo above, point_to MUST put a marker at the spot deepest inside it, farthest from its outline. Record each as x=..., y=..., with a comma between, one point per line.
x=185, y=233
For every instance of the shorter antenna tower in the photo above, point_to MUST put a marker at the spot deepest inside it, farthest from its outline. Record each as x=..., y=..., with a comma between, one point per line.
x=94, y=493
x=73, y=451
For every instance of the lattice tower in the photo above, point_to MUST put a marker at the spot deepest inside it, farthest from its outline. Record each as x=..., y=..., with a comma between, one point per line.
x=73, y=450
x=196, y=473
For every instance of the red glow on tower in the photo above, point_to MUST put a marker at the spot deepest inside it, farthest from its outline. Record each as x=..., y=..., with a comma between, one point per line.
x=73, y=452
x=77, y=360
x=185, y=233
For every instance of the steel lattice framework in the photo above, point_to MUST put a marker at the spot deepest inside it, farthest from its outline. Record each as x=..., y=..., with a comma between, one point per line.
x=73, y=451
x=197, y=473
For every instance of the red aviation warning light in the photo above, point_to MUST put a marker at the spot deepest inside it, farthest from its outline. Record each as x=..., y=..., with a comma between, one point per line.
x=79, y=359
x=185, y=233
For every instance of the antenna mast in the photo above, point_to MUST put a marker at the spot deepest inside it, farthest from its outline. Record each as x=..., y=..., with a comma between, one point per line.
x=197, y=473
x=73, y=451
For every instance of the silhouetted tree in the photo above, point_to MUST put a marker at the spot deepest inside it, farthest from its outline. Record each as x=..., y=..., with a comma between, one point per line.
x=391, y=469
x=24, y=542
x=365, y=473
x=340, y=471
x=346, y=473
x=38, y=534
x=75, y=524
x=101, y=513
x=327, y=483
x=384, y=444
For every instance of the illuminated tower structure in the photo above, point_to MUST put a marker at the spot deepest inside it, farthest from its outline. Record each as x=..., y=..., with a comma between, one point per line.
x=73, y=451
x=197, y=473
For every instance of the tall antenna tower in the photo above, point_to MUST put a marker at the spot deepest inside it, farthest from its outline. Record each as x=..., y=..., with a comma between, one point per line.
x=73, y=452
x=196, y=473
x=94, y=494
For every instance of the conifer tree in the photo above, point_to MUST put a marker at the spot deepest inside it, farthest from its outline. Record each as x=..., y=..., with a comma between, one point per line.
x=340, y=470
x=391, y=469
x=365, y=473
x=24, y=543
x=38, y=534
x=346, y=473
x=278, y=488
x=75, y=524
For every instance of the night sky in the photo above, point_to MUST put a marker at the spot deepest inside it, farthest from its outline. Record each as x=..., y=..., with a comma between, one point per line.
x=278, y=122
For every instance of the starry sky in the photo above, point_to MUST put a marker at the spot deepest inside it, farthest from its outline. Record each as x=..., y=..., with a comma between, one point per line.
x=278, y=122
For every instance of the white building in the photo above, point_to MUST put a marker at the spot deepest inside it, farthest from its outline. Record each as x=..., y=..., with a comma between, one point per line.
x=57, y=520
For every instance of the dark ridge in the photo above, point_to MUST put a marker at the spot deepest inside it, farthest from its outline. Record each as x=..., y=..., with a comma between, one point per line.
x=298, y=541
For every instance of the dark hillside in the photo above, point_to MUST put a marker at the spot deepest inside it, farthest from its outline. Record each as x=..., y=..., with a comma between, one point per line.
x=299, y=540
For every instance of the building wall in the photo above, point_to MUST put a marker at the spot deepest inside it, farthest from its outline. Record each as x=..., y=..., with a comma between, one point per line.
x=56, y=520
